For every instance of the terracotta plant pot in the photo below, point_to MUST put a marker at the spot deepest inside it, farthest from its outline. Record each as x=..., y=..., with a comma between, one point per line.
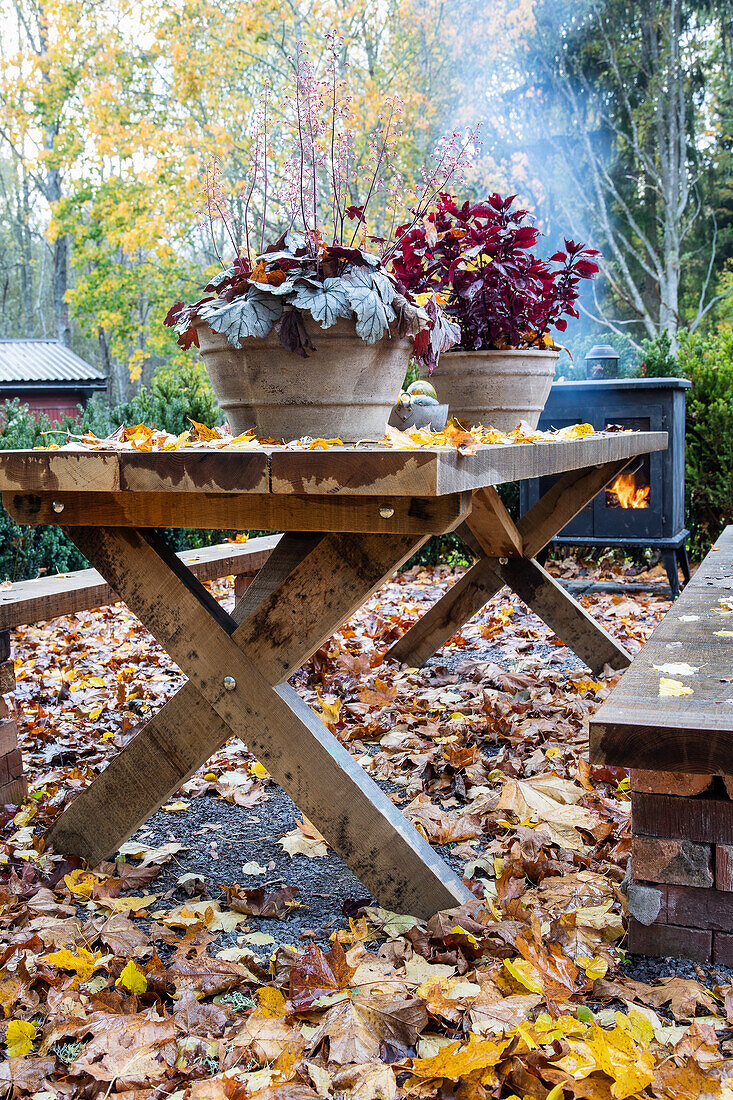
x=345, y=388
x=495, y=388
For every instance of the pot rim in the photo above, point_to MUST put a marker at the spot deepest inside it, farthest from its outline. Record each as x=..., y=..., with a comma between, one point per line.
x=391, y=337
x=483, y=352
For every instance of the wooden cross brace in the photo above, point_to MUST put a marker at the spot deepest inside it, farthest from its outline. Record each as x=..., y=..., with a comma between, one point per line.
x=237, y=666
x=506, y=555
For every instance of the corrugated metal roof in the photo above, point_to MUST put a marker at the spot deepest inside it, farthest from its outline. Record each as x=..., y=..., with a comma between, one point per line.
x=43, y=361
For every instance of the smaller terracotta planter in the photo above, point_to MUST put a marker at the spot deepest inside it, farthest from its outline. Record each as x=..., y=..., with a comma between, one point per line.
x=345, y=388
x=495, y=388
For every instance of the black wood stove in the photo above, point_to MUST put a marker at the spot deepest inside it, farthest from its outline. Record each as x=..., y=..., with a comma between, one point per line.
x=645, y=506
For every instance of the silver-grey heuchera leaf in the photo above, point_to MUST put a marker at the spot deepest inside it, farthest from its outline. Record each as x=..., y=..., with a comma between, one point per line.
x=326, y=302
x=279, y=291
x=372, y=314
x=253, y=314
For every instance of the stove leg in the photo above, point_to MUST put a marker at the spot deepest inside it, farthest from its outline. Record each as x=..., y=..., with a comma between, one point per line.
x=684, y=563
x=670, y=564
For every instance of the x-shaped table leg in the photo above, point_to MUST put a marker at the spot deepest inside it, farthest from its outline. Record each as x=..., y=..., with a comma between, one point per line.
x=233, y=671
x=506, y=553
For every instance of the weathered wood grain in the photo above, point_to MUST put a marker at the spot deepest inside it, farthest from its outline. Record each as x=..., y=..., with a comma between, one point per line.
x=383, y=515
x=636, y=726
x=536, y=528
x=354, y=815
x=459, y=604
x=65, y=593
x=343, y=471
x=351, y=471
x=569, y=620
x=562, y=502
x=492, y=526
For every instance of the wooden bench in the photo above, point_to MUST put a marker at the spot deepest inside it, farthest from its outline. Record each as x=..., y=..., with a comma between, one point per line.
x=670, y=720
x=65, y=593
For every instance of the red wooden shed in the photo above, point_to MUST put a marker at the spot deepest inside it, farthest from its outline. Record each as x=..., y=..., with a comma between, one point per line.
x=47, y=376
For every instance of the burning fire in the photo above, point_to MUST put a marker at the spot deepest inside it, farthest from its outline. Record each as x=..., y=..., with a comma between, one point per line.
x=628, y=493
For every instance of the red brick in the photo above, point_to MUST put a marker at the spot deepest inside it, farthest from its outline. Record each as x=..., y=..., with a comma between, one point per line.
x=13, y=792
x=670, y=939
x=680, y=784
x=681, y=862
x=711, y=909
x=8, y=735
x=707, y=820
x=723, y=948
x=11, y=766
x=241, y=584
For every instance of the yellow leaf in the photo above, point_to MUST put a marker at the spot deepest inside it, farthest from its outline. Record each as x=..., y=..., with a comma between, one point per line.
x=19, y=1038
x=594, y=968
x=83, y=961
x=723, y=633
x=526, y=974
x=270, y=1003
x=673, y=688
x=259, y=770
x=576, y=431
x=582, y=686
x=80, y=883
x=175, y=807
x=132, y=979
x=455, y=1061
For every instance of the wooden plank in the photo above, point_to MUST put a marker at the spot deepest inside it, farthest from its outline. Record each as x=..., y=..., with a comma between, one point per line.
x=355, y=470
x=638, y=726
x=345, y=471
x=312, y=766
x=4, y=645
x=438, y=625
x=80, y=471
x=569, y=620
x=466, y=598
x=492, y=526
x=66, y=593
x=383, y=515
x=562, y=502
x=293, y=548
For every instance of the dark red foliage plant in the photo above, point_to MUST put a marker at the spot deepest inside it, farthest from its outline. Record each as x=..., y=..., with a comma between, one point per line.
x=478, y=261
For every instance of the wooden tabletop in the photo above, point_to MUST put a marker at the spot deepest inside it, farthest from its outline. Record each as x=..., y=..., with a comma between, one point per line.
x=640, y=725
x=345, y=470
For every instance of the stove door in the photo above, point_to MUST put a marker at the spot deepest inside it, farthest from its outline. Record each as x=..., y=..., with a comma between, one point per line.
x=636, y=510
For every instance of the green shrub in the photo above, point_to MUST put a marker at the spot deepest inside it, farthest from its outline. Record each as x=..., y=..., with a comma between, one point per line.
x=28, y=551
x=707, y=360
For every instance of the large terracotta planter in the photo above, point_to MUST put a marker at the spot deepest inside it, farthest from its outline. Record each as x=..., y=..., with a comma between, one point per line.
x=345, y=388
x=495, y=388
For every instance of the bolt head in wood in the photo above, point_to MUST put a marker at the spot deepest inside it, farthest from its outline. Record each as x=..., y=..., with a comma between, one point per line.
x=58, y=506
x=503, y=561
x=386, y=512
x=229, y=683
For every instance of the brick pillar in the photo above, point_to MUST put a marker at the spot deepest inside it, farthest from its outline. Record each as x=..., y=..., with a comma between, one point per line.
x=242, y=583
x=681, y=894
x=13, y=785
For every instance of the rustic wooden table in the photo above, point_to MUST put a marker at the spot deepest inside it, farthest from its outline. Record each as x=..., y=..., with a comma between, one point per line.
x=352, y=516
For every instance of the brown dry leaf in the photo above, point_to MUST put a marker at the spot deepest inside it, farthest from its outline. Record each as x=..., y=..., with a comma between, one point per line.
x=368, y=1081
x=358, y=1025
x=441, y=826
x=304, y=840
x=136, y=1049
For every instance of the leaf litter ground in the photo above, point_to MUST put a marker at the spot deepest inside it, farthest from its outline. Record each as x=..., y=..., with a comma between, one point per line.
x=228, y=952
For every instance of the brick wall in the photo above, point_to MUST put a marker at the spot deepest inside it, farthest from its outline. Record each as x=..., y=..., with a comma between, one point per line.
x=681, y=894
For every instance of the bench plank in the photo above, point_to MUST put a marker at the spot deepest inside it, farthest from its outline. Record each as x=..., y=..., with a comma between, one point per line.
x=637, y=727
x=65, y=593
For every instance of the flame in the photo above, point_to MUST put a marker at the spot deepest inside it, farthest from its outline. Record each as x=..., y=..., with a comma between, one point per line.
x=628, y=493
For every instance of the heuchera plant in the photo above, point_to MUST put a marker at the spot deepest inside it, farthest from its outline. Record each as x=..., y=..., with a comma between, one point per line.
x=326, y=263
x=477, y=260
